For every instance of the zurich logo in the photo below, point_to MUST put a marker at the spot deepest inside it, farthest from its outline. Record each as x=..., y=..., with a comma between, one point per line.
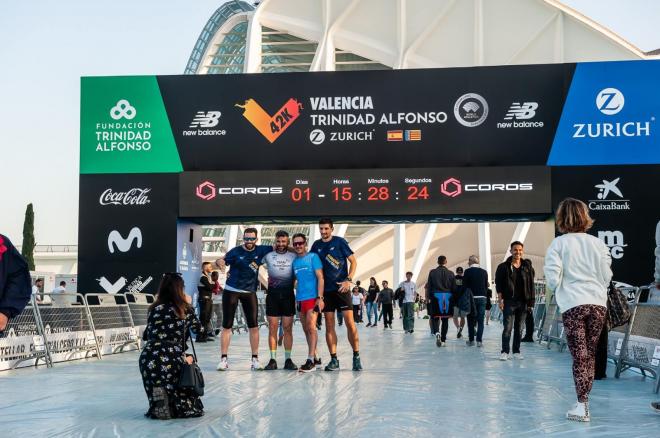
x=610, y=101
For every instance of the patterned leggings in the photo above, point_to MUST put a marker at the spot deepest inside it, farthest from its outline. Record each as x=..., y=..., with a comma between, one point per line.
x=583, y=325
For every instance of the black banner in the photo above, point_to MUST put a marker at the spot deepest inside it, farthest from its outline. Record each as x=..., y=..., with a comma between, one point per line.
x=367, y=192
x=504, y=116
x=128, y=232
x=623, y=201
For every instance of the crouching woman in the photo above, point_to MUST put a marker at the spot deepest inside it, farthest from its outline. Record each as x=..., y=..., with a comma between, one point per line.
x=168, y=326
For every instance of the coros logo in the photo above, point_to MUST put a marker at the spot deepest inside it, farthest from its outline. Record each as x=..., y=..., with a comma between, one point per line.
x=123, y=109
x=453, y=187
x=205, y=191
x=610, y=101
x=471, y=110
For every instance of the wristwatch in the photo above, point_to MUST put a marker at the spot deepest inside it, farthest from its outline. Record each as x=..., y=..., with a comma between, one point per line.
x=349, y=279
x=320, y=298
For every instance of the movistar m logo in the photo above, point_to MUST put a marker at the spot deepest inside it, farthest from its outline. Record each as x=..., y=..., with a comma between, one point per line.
x=115, y=240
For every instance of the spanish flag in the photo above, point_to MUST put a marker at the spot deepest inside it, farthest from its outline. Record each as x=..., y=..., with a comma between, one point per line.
x=395, y=135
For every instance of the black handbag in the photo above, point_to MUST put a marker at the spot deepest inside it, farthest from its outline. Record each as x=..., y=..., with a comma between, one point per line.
x=618, y=311
x=191, y=378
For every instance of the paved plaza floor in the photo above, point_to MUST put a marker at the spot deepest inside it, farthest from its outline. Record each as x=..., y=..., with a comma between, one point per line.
x=409, y=387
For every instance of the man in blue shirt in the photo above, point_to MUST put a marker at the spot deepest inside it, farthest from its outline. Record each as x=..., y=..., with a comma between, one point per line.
x=336, y=256
x=244, y=262
x=308, y=270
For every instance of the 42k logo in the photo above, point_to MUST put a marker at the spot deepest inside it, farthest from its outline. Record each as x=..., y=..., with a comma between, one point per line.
x=271, y=127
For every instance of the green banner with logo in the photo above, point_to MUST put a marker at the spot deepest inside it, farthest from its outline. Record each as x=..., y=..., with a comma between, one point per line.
x=124, y=127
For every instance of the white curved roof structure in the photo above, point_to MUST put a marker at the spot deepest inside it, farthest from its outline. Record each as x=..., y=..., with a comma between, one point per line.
x=335, y=34
x=329, y=35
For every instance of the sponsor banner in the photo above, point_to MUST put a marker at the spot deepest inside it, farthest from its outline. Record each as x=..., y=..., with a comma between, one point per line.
x=127, y=231
x=111, y=339
x=623, y=202
x=367, y=192
x=610, y=115
x=124, y=127
x=486, y=116
x=189, y=254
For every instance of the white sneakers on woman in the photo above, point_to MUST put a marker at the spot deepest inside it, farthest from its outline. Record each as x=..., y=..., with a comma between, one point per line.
x=579, y=412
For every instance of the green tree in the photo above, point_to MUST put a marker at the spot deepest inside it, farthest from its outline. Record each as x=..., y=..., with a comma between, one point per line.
x=27, y=248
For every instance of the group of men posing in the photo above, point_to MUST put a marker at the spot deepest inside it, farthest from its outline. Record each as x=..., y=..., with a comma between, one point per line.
x=467, y=294
x=321, y=278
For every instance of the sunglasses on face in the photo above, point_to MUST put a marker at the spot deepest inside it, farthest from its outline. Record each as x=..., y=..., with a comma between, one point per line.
x=298, y=243
x=249, y=239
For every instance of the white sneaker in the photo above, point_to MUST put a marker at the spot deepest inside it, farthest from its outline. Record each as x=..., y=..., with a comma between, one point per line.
x=438, y=340
x=223, y=365
x=579, y=412
x=480, y=344
x=504, y=356
x=518, y=356
x=256, y=366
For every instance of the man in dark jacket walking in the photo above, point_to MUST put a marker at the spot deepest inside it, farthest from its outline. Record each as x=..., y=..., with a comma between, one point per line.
x=514, y=282
x=15, y=282
x=439, y=288
x=476, y=279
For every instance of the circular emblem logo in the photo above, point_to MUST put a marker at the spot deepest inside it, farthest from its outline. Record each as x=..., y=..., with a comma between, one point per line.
x=610, y=101
x=317, y=136
x=471, y=110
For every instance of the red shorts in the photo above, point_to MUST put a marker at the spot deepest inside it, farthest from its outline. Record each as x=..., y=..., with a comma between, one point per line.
x=307, y=305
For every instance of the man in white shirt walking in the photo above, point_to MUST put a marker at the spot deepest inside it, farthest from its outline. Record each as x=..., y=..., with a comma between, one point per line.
x=410, y=290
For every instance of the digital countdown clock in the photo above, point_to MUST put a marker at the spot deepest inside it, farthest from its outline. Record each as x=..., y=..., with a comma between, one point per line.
x=366, y=192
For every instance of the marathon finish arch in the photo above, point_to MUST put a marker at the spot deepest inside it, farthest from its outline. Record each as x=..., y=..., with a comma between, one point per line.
x=160, y=155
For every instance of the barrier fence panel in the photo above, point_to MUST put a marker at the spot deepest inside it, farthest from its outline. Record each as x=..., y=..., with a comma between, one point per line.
x=262, y=319
x=112, y=323
x=68, y=328
x=139, y=305
x=552, y=326
x=641, y=345
x=22, y=343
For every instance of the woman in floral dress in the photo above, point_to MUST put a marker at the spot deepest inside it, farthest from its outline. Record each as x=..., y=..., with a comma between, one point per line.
x=170, y=316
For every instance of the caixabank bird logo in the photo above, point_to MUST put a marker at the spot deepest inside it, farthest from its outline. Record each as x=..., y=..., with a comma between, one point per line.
x=269, y=126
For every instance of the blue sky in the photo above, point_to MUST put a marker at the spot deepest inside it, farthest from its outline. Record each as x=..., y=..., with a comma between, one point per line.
x=46, y=46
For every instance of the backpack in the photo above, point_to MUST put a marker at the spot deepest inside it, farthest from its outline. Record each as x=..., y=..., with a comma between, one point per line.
x=442, y=304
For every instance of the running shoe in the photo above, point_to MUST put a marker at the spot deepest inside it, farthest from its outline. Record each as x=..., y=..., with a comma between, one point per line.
x=255, y=365
x=289, y=365
x=527, y=339
x=333, y=365
x=279, y=340
x=480, y=344
x=518, y=356
x=368, y=325
x=469, y=343
x=317, y=361
x=272, y=365
x=223, y=365
x=438, y=340
x=504, y=356
x=307, y=366
x=579, y=412
x=656, y=407
x=411, y=331
x=357, y=364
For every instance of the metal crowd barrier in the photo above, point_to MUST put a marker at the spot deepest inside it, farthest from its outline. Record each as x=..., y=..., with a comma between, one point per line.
x=112, y=322
x=262, y=319
x=22, y=342
x=68, y=328
x=640, y=347
x=552, y=328
x=138, y=305
x=617, y=334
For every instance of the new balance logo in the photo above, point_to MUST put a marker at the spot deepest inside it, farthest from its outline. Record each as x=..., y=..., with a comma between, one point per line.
x=524, y=111
x=207, y=119
x=116, y=241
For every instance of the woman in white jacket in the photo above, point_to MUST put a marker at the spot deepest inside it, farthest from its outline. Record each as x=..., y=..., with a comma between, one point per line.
x=577, y=270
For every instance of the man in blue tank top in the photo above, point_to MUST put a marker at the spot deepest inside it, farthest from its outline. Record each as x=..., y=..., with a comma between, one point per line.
x=339, y=265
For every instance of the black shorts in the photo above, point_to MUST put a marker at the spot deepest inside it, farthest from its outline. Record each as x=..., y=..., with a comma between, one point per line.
x=335, y=300
x=280, y=302
x=230, y=301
